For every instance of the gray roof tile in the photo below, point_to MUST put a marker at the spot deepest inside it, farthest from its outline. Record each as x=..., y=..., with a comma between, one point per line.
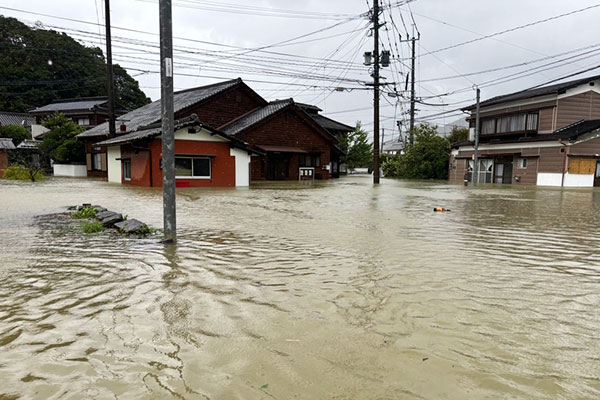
x=84, y=103
x=254, y=117
x=6, y=144
x=10, y=118
x=151, y=113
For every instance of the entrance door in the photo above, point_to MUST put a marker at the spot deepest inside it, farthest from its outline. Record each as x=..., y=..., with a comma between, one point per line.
x=503, y=170
x=278, y=167
x=597, y=174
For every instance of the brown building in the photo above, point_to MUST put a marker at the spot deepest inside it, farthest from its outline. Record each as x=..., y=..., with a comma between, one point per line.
x=296, y=146
x=214, y=105
x=6, y=144
x=547, y=136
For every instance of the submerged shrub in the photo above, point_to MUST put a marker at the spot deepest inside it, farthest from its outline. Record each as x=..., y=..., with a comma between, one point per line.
x=93, y=227
x=85, y=212
x=19, y=173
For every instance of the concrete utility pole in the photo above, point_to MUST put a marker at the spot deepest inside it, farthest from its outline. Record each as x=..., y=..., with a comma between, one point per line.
x=376, y=95
x=476, y=147
x=382, y=140
x=166, y=104
x=110, y=89
x=412, y=93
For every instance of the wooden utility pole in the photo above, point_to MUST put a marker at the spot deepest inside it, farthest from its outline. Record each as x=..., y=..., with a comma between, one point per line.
x=166, y=103
x=376, y=95
x=110, y=89
x=476, y=146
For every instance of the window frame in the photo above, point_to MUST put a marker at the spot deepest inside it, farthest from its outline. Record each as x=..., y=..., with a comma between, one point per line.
x=192, y=158
x=522, y=163
x=125, y=170
x=96, y=161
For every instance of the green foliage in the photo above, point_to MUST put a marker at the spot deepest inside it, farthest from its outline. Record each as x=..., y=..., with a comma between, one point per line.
x=426, y=158
x=16, y=132
x=60, y=143
x=145, y=230
x=359, y=152
x=20, y=173
x=93, y=227
x=31, y=55
x=85, y=212
x=458, y=134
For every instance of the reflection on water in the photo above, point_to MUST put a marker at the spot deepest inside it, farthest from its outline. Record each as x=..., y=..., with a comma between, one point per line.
x=332, y=290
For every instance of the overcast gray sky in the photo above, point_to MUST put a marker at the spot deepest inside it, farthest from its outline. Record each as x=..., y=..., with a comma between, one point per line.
x=315, y=65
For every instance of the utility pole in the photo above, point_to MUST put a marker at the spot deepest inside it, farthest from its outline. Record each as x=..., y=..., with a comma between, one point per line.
x=413, y=45
x=382, y=140
x=376, y=95
x=110, y=74
x=166, y=104
x=476, y=147
x=412, y=92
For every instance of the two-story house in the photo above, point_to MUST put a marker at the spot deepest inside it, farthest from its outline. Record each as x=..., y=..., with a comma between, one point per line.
x=547, y=136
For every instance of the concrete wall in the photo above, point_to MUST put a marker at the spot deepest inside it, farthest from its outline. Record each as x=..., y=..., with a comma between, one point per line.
x=549, y=179
x=114, y=165
x=579, y=180
x=69, y=170
x=242, y=167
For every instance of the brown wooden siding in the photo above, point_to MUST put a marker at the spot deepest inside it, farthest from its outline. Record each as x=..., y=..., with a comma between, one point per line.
x=545, y=120
x=528, y=176
x=551, y=160
x=456, y=173
x=587, y=148
x=574, y=108
x=595, y=106
x=512, y=110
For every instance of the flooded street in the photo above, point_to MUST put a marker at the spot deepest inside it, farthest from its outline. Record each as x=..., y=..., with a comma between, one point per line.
x=325, y=290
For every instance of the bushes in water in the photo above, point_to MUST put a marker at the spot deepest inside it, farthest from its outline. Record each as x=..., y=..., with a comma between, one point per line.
x=85, y=212
x=93, y=227
x=19, y=173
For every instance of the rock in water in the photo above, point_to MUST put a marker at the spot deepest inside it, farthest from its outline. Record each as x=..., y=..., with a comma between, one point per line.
x=103, y=214
x=111, y=220
x=129, y=226
x=99, y=208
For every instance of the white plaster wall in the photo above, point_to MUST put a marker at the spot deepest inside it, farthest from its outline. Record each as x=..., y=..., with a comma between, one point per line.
x=579, y=180
x=548, y=179
x=242, y=167
x=202, y=135
x=113, y=165
x=37, y=130
x=76, y=171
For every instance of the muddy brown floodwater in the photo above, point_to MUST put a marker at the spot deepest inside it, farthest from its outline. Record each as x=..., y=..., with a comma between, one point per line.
x=329, y=290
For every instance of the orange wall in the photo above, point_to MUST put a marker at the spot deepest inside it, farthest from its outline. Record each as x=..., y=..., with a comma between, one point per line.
x=222, y=165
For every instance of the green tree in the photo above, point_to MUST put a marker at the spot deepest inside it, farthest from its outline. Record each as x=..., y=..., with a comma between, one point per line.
x=359, y=152
x=458, y=134
x=426, y=158
x=16, y=132
x=66, y=69
x=60, y=143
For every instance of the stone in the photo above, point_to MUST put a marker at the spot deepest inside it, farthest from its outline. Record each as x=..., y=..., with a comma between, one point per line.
x=129, y=226
x=103, y=214
x=111, y=220
x=99, y=208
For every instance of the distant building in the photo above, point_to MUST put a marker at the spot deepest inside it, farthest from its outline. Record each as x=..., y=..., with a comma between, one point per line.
x=20, y=119
x=393, y=147
x=547, y=136
x=87, y=112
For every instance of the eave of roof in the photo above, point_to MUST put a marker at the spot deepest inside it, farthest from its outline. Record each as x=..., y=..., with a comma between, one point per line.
x=534, y=92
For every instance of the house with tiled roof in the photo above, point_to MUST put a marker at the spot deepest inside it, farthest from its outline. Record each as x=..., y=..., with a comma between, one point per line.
x=546, y=136
x=296, y=144
x=214, y=105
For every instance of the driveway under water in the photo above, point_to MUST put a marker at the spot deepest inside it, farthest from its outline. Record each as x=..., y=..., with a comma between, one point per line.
x=325, y=290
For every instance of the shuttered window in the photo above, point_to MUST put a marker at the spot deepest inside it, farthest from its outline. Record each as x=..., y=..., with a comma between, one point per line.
x=585, y=166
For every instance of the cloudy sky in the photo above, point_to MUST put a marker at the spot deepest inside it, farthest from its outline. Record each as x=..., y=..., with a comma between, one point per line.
x=313, y=50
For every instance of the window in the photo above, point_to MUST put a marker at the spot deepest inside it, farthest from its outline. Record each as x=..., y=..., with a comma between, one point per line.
x=97, y=161
x=517, y=122
x=192, y=167
x=488, y=126
x=522, y=163
x=484, y=174
x=532, y=122
x=83, y=121
x=310, y=160
x=127, y=170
